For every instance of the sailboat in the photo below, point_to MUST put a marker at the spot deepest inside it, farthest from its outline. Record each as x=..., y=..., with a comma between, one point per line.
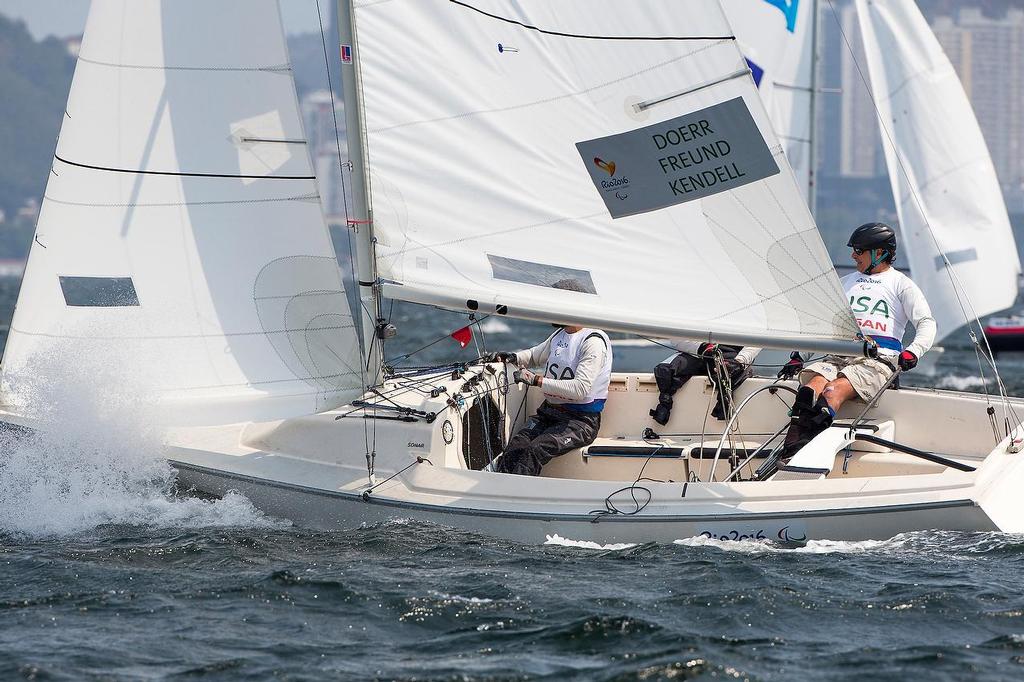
x=497, y=149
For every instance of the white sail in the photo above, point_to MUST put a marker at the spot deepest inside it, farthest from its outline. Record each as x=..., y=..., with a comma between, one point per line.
x=482, y=119
x=776, y=38
x=181, y=239
x=951, y=211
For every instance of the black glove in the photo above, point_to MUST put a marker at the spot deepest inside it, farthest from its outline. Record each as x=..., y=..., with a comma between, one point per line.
x=907, y=361
x=500, y=356
x=525, y=376
x=791, y=368
x=707, y=349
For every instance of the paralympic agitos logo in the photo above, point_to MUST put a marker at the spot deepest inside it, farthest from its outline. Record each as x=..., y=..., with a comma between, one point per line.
x=613, y=183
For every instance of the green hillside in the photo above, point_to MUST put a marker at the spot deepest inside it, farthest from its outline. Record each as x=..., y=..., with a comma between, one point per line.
x=34, y=80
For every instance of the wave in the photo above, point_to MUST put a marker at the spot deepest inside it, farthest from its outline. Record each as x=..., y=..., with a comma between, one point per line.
x=762, y=546
x=960, y=383
x=93, y=457
x=586, y=544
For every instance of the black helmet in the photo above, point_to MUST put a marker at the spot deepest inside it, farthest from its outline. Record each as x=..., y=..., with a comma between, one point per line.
x=874, y=236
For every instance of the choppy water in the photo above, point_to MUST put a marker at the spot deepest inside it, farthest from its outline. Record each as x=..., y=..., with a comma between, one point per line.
x=106, y=574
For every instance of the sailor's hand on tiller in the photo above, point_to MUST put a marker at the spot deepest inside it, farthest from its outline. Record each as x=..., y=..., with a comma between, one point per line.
x=907, y=361
x=793, y=367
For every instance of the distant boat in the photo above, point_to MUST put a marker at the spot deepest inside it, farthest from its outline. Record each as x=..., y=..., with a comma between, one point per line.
x=1005, y=333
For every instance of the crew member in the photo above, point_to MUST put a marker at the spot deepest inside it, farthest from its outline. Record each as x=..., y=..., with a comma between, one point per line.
x=724, y=364
x=883, y=300
x=577, y=364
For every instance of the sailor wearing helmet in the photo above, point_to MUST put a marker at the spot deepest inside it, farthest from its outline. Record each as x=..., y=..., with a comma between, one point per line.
x=883, y=300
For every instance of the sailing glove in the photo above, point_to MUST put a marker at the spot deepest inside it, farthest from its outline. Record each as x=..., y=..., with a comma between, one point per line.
x=707, y=349
x=791, y=368
x=907, y=361
x=525, y=376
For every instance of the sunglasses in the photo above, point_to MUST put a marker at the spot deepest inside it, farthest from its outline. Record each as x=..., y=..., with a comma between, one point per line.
x=861, y=252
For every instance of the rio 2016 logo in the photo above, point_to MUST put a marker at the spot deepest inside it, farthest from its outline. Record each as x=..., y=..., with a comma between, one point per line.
x=607, y=166
x=783, y=535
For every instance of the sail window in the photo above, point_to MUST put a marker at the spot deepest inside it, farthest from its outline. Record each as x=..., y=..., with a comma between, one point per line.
x=956, y=257
x=541, y=275
x=107, y=292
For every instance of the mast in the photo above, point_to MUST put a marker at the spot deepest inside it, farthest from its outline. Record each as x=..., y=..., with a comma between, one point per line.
x=812, y=147
x=361, y=220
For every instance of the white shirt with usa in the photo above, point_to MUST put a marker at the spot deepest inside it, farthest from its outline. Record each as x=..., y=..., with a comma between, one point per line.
x=884, y=303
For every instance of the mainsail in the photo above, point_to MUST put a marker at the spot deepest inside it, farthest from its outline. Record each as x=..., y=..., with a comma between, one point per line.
x=181, y=238
x=776, y=38
x=587, y=161
x=956, y=234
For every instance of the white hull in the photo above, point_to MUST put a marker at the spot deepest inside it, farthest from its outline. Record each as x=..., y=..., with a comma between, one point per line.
x=313, y=471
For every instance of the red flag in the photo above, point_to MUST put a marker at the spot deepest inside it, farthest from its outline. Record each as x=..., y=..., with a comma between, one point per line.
x=463, y=336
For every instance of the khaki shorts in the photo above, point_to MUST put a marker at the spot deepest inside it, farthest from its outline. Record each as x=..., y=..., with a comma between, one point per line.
x=866, y=375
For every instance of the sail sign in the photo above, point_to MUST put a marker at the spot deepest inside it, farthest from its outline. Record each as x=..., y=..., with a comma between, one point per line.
x=688, y=157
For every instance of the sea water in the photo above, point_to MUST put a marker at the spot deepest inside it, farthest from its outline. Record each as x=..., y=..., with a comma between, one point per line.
x=106, y=573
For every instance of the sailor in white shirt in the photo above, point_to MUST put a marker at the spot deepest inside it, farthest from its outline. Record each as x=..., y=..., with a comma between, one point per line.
x=883, y=300
x=696, y=357
x=577, y=364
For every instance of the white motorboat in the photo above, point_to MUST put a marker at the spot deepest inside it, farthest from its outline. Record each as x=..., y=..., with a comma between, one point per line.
x=498, y=148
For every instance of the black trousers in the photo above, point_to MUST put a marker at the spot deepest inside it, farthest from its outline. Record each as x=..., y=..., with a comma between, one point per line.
x=671, y=376
x=551, y=432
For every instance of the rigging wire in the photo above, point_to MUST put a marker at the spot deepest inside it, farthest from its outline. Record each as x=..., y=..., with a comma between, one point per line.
x=342, y=166
x=439, y=339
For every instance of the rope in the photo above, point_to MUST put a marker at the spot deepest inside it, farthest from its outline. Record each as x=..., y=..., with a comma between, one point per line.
x=609, y=506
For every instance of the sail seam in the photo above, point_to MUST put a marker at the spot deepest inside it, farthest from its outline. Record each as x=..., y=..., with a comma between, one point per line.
x=548, y=100
x=775, y=297
x=184, y=174
x=832, y=284
x=275, y=68
x=771, y=236
x=810, y=280
x=830, y=288
x=182, y=336
x=309, y=380
x=926, y=71
x=304, y=197
x=421, y=246
x=908, y=196
x=562, y=34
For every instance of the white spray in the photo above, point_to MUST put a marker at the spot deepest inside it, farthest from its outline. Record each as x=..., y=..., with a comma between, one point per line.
x=95, y=456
